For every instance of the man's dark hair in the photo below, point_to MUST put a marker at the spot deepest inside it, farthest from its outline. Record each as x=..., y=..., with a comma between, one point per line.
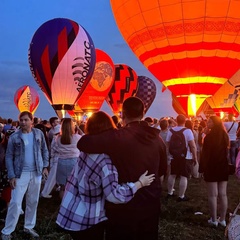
x=52, y=119
x=181, y=119
x=133, y=108
x=9, y=121
x=25, y=113
x=163, y=124
x=35, y=120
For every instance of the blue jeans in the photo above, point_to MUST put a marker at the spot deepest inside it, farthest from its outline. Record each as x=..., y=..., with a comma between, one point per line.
x=232, y=152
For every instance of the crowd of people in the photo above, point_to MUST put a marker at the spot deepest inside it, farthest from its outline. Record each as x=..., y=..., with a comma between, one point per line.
x=110, y=171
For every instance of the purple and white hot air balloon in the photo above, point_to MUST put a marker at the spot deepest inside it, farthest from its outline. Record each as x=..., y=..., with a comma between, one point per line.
x=62, y=59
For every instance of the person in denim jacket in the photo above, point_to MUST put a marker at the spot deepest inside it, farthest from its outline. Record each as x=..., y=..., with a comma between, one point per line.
x=26, y=161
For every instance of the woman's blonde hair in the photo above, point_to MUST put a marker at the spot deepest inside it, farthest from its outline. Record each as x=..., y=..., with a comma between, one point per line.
x=67, y=130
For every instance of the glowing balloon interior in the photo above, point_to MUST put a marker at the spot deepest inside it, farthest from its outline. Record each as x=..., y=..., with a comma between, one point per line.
x=62, y=59
x=124, y=86
x=26, y=98
x=146, y=91
x=100, y=84
x=192, y=47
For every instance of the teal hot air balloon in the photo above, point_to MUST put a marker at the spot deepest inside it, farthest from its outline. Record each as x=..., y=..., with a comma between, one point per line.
x=146, y=91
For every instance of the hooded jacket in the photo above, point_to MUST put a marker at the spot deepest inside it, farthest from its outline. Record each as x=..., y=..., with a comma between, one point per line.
x=133, y=150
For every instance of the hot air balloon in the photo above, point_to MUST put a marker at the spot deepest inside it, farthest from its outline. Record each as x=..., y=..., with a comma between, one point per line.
x=146, y=91
x=77, y=113
x=177, y=106
x=191, y=47
x=100, y=84
x=124, y=86
x=237, y=104
x=26, y=98
x=62, y=59
x=222, y=102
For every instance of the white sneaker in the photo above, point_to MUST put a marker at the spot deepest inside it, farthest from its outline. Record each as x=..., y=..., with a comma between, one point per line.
x=6, y=237
x=211, y=223
x=47, y=196
x=31, y=232
x=222, y=223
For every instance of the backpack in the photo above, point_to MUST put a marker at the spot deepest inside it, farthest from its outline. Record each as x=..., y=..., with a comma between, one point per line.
x=177, y=144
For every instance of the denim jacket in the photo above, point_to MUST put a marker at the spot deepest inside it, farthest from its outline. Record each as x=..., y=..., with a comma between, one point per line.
x=15, y=153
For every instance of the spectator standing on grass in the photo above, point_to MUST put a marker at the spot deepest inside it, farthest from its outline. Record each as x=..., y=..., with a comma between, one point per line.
x=133, y=148
x=231, y=127
x=64, y=148
x=195, y=167
x=214, y=166
x=50, y=182
x=93, y=179
x=163, y=123
x=26, y=161
x=181, y=165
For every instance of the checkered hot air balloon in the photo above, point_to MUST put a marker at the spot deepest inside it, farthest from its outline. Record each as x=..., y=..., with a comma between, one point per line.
x=146, y=91
x=62, y=60
x=26, y=98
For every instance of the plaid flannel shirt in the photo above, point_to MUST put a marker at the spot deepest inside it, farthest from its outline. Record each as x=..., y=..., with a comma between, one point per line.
x=93, y=180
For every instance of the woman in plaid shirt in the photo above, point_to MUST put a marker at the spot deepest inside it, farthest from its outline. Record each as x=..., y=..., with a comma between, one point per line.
x=93, y=180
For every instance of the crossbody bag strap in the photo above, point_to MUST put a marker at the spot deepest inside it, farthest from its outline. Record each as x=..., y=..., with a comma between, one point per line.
x=230, y=127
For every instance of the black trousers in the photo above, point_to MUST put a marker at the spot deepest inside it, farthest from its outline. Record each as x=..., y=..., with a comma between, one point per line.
x=96, y=232
x=133, y=225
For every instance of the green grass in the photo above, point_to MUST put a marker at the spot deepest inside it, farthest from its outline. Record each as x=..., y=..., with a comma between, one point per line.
x=177, y=221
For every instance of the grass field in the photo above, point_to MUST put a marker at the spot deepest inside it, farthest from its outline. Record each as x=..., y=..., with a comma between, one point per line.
x=177, y=222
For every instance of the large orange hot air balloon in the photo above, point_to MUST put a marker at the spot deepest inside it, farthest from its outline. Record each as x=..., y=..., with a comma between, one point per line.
x=26, y=98
x=62, y=60
x=100, y=84
x=124, y=86
x=192, y=47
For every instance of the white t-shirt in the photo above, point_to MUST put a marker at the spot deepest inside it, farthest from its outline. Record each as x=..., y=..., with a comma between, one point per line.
x=233, y=132
x=188, y=134
x=29, y=160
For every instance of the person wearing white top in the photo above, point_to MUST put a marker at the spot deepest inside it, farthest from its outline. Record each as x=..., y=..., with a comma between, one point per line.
x=64, y=148
x=26, y=161
x=231, y=127
x=179, y=167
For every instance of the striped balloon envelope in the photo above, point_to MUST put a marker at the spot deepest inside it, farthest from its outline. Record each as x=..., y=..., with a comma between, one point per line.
x=125, y=85
x=62, y=59
x=191, y=47
x=26, y=98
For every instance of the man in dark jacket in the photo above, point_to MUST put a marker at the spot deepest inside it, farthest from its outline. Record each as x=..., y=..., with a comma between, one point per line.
x=133, y=149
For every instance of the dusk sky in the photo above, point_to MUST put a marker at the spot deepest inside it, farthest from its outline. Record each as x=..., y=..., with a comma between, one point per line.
x=20, y=19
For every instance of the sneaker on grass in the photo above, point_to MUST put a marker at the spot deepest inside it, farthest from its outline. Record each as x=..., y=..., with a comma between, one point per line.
x=184, y=199
x=31, y=232
x=6, y=237
x=212, y=223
